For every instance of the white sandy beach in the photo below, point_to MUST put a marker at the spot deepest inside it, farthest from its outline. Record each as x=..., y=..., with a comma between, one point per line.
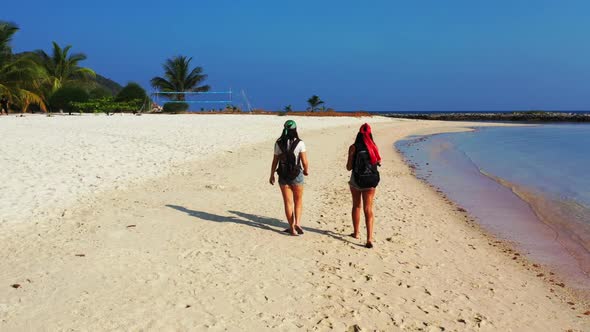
x=169, y=223
x=49, y=164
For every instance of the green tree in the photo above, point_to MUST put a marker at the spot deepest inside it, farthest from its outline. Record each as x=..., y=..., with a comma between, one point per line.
x=63, y=98
x=20, y=77
x=7, y=30
x=314, y=103
x=178, y=77
x=288, y=108
x=99, y=92
x=63, y=67
x=133, y=94
x=131, y=91
x=175, y=107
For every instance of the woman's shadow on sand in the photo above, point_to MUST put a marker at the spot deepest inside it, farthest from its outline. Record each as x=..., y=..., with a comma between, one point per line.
x=253, y=220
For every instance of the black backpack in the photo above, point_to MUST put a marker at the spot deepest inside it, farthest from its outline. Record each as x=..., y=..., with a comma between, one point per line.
x=365, y=174
x=289, y=164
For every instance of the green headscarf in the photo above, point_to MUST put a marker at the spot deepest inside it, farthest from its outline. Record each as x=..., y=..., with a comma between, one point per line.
x=289, y=124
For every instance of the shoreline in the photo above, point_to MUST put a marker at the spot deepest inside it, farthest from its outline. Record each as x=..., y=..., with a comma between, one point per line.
x=550, y=217
x=205, y=252
x=568, y=246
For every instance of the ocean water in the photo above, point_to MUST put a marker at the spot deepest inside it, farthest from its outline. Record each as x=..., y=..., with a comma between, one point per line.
x=528, y=185
x=553, y=159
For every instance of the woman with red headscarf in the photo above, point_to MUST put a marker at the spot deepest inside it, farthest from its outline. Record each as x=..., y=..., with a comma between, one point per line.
x=363, y=159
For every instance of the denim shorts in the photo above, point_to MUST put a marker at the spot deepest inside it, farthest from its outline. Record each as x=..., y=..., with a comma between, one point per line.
x=298, y=181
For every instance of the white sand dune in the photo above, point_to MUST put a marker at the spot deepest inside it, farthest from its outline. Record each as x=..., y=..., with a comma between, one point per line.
x=201, y=247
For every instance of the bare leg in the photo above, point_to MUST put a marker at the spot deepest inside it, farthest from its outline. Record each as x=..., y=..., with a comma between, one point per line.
x=298, y=198
x=356, y=212
x=288, y=202
x=368, y=209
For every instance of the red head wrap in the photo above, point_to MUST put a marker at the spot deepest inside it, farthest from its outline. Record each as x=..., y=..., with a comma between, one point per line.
x=371, y=147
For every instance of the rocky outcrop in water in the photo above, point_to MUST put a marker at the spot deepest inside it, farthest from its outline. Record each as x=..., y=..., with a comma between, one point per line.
x=533, y=116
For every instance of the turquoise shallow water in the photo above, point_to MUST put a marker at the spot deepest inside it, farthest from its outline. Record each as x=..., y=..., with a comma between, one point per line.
x=553, y=159
x=529, y=185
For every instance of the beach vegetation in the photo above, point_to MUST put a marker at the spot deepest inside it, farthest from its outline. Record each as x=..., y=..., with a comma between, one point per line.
x=56, y=80
x=131, y=91
x=179, y=77
x=63, y=98
x=175, y=107
x=232, y=108
x=105, y=105
x=99, y=92
x=20, y=76
x=286, y=110
x=62, y=67
x=314, y=103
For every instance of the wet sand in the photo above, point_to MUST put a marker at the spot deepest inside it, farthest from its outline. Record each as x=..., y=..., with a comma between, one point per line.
x=538, y=226
x=569, y=222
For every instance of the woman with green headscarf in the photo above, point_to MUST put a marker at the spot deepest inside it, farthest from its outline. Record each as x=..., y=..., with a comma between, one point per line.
x=291, y=158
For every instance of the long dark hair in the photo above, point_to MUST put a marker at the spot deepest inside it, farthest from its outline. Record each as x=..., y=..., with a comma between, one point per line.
x=289, y=135
x=359, y=142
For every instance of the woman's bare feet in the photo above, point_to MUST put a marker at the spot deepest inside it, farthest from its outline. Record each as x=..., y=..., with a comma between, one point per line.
x=299, y=229
x=369, y=245
x=356, y=236
x=291, y=231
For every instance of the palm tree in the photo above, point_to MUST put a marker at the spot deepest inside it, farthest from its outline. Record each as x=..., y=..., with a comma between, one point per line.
x=314, y=102
x=288, y=109
x=7, y=30
x=178, y=77
x=62, y=67
x=19, y=76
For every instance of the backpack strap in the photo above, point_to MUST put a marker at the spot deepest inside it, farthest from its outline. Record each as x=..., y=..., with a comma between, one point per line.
x=292, y=149
x=294, y=145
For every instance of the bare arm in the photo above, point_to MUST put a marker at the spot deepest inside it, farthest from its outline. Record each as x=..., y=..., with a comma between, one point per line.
x=350, y=161
x=303, y=156
x=275, y=161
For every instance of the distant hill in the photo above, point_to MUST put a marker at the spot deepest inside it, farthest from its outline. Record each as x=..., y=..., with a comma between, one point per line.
x=108, y=84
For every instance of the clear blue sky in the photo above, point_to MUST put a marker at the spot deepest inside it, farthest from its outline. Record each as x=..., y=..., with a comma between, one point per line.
x=372, y=55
